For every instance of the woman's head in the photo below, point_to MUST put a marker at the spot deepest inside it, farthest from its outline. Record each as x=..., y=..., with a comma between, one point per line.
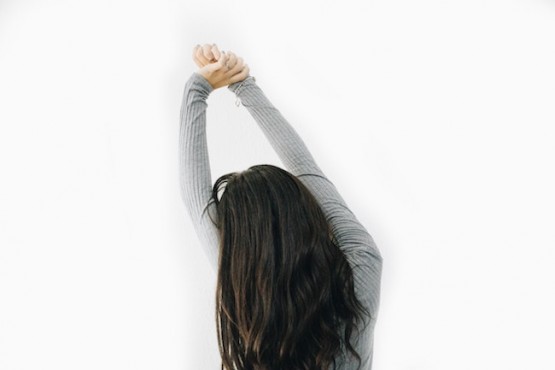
x=285, y=294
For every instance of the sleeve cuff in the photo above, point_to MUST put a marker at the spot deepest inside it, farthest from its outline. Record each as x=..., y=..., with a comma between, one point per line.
x=234, y=87
x=202, y=82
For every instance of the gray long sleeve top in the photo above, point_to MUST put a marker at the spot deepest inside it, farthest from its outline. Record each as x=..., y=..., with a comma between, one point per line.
x=196, y=187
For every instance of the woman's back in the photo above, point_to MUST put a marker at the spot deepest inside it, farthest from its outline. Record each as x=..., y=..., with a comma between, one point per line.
x=352, y=238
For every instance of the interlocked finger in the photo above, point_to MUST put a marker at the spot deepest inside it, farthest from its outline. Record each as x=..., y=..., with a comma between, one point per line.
x=216, y=54
x=199, y=53
x=238, y=67
x=240, y=76
x=196, y=58
x=207, y=52
x=231, y=62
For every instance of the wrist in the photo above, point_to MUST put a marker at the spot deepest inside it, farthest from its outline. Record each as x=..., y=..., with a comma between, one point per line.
x=203, y=81
x=238, y=86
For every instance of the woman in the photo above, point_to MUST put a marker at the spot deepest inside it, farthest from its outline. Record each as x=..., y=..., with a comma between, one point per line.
x=298, y=276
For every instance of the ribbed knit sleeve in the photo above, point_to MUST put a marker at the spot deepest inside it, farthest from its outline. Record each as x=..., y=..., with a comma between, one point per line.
x=194, y=165
x=353, y=238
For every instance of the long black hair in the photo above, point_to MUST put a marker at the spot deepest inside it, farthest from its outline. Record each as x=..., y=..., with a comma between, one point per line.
x=285, y=295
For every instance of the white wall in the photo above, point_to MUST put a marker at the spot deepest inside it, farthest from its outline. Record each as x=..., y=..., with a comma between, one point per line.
x=433, y=118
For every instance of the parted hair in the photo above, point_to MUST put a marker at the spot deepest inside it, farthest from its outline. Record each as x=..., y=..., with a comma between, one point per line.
x=285, y=297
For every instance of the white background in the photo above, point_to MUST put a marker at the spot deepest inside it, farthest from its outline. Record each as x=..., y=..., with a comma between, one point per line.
x=433, y=118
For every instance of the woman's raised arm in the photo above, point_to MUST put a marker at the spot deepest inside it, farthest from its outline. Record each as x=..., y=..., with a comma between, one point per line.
x=194, y=165
x=358, y=245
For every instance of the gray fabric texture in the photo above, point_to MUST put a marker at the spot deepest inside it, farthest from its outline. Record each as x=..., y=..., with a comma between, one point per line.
x=196, y=187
